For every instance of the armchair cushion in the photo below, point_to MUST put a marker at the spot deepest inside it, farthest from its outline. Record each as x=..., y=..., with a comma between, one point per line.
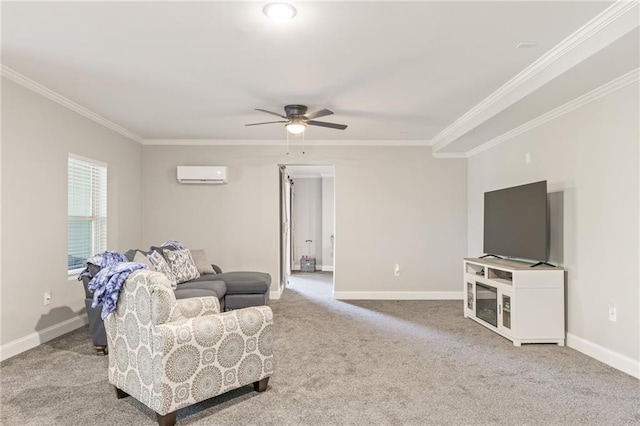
x=198, y=306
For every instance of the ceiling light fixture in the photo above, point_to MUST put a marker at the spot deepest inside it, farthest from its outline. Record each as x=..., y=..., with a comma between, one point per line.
x=296, y=127
x=280, y=12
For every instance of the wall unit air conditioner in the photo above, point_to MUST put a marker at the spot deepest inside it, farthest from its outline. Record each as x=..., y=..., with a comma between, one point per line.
x=202, y=174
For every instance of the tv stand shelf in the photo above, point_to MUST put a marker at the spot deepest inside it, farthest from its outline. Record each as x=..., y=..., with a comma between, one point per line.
x=523, y=304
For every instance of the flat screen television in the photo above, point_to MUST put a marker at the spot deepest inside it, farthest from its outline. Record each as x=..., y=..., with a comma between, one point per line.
x=516, y=222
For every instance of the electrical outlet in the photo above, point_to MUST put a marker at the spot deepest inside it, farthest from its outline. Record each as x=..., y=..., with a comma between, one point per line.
x=613, y=313
x=47, y=298
x=527, y=158
x=396, y=270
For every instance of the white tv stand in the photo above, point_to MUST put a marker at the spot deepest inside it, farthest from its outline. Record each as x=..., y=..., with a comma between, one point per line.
x=521, y=303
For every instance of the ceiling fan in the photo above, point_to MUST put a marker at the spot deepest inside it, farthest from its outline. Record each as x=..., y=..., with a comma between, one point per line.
x=296, y=119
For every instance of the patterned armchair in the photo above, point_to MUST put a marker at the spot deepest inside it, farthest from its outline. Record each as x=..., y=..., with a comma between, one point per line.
x=169, y=353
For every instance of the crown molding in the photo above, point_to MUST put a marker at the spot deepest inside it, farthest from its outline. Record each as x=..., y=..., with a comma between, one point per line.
x=615, y=21
x=38, y=88
x=450, y=155
x=281, y=142
x=604, y=90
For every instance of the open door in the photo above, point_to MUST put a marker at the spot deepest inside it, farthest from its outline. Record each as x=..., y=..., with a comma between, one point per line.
x=285, y=227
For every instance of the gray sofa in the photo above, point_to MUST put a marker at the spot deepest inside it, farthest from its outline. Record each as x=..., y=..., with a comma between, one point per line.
x=234, y=290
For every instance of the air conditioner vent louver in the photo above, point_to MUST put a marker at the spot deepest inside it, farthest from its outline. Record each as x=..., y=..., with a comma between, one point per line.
x=202, y=174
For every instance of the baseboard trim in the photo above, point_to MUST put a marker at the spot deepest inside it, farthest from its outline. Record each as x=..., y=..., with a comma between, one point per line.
x=398, y=295
x=327, y=269
x=607, y=356
x=32, y=340
x=274, y=295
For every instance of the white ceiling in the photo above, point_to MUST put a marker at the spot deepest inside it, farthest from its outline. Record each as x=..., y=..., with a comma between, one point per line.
x=397, y=72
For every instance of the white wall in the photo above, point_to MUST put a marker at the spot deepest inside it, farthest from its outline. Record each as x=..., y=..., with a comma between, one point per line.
x=307, y=219
x=590, y=159
x=327, y=222
x=37, y=137
x=392, y=205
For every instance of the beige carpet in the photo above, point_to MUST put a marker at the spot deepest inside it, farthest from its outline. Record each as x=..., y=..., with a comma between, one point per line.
x=348, y=363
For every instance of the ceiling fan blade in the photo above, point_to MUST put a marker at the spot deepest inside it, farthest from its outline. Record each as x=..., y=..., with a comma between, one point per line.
x=270, y=112
x=267, y=122
x=317, y=114
x=325, y=124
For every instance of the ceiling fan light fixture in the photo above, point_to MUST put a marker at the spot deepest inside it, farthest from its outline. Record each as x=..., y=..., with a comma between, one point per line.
x=280, y=12
x=296, y=128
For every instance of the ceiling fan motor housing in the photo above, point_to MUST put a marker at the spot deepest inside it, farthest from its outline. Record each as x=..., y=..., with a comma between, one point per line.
x=293, y=110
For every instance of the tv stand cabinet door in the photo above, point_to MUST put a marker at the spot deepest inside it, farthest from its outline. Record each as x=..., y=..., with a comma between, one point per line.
x=469, y=298
x=540, y=314
x=505, y=313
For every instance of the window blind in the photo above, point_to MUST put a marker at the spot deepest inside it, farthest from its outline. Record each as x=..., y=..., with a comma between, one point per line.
x=87, y=212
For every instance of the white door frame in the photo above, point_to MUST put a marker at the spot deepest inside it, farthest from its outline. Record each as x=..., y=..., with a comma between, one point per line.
x=286, y=227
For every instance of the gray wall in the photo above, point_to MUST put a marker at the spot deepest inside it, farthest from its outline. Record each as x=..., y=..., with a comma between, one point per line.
x=392, y=205
x=589, y=158
x=37, y=137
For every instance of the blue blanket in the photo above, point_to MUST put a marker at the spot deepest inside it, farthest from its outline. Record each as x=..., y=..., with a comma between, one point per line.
x=107, y=284
x=103, y=260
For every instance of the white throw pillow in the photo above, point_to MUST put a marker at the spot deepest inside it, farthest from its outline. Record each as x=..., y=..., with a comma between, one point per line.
x=182, y=265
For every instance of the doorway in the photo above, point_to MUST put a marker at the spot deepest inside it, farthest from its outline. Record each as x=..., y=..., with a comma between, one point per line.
x=307, y=215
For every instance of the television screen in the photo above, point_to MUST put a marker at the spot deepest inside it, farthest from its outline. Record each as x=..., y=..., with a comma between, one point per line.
x=515, y=222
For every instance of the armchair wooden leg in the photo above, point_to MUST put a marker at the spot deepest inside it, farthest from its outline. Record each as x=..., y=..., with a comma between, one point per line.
x=167, y=420
x=261, y=385
x=101, y=350
x=120, y=393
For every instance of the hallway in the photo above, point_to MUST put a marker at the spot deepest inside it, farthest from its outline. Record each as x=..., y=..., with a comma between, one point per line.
x=317, y=284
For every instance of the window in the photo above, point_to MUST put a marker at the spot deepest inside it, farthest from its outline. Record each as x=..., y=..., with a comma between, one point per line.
x=87, y=211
